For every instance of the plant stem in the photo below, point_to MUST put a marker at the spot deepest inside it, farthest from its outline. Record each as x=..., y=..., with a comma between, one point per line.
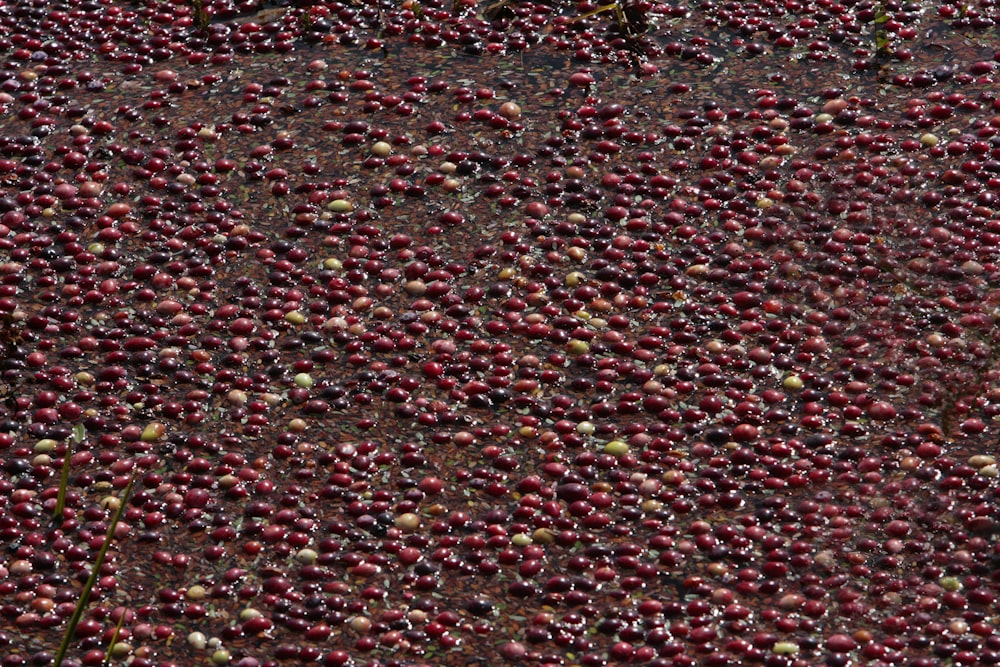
x=63, y=483
x=114, y=640
x=79, y=432
x=95, y=573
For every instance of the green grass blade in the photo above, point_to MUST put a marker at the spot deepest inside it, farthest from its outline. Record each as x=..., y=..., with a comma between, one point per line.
x=63, y=483
x=114, y=639
x=95, y=573
x=79, y=432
